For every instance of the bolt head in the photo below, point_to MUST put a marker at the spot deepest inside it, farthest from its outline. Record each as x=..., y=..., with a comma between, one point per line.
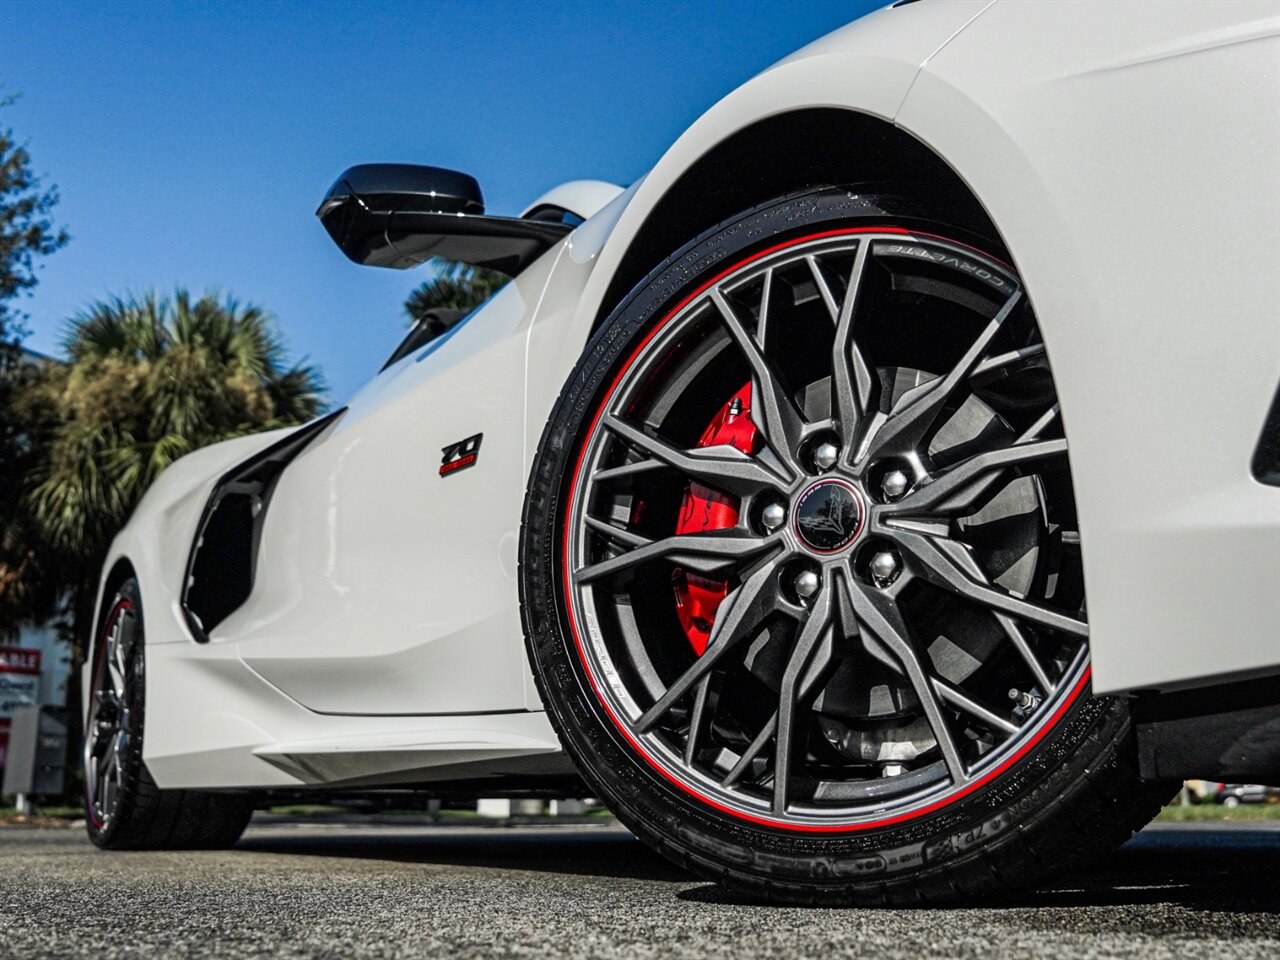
x=893, y=770
x=884, y=567
x=807, y=583
x=774, y=515
x=894, y=484
x=826, y=455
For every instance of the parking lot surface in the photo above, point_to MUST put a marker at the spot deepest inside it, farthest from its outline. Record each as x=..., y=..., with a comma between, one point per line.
x=331, y=890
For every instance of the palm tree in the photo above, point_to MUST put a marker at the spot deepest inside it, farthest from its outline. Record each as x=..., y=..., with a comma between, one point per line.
x=28, y=577
x=456, y=286
x=148, y=380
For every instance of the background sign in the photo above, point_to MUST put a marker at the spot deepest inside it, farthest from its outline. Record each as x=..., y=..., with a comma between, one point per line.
x=19, y=686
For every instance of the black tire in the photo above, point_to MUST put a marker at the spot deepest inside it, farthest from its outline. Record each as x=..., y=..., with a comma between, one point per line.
x=142, y=816
x=1077, y=793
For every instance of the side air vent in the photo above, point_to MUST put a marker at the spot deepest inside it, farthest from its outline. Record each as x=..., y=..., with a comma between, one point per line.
x=224, y=556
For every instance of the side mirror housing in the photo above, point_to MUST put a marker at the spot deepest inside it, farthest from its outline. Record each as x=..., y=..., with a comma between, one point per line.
x=400, y=215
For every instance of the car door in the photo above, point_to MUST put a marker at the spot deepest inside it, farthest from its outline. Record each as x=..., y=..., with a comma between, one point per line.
x=386, y=573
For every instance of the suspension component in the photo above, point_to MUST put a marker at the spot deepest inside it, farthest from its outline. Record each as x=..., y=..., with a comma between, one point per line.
x=1025, y=702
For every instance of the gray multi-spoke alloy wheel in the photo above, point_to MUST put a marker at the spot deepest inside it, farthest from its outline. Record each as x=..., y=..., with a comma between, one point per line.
x=124, y=807
x=108, y=724
x=801, y=567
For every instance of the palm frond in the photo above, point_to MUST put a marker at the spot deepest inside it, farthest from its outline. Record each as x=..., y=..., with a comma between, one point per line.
x=150, y=379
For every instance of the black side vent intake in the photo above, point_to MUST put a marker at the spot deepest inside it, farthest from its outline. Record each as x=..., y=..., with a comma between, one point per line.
x=224, y=556
x=1266, y=459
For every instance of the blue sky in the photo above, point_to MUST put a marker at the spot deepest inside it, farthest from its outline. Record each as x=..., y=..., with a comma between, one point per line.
x=192, y=142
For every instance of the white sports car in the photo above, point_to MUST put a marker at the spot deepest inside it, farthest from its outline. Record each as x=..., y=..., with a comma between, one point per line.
x=879, y=502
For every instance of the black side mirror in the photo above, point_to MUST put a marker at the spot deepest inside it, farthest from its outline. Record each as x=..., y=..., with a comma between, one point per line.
x=400, y=215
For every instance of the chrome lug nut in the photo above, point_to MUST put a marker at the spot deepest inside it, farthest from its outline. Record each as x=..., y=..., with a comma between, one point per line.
x=894, y=484
x=774, y=516
x=807, y=583
x=826, y=455
x=892, y=770
x=884, y=568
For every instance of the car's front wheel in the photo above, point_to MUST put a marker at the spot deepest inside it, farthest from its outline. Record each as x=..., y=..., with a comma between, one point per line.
x=801, y=568
x=124, y=807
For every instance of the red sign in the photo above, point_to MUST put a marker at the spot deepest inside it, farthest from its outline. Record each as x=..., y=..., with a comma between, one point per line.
x=19, y=686
x=19, y=660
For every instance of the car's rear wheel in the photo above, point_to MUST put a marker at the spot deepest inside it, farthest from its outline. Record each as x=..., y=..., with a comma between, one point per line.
x=124, y=808
x=801, y=568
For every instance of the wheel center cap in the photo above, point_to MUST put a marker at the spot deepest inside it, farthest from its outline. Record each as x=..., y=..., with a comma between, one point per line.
x=829, y=516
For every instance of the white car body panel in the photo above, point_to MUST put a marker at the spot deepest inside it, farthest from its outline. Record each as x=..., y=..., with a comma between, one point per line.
x=349, y=616
x=223, y=725
x=1110, y=214
x=403, y=599
x=383, y=637
x=583, y=197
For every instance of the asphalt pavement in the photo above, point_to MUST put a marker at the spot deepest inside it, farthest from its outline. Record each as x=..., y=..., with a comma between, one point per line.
x=369, y=891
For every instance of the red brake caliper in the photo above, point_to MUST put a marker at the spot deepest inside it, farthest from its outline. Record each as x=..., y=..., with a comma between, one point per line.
x=702, y=508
